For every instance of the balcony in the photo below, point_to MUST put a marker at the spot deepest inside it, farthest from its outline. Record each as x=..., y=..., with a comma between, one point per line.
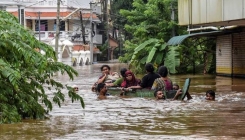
x=47, y=36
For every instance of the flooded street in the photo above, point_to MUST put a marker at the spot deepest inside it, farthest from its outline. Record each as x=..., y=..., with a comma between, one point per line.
x=141, y=118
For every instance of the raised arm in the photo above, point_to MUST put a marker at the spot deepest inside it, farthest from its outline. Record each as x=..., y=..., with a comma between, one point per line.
x=178, y=93
x=102, y=79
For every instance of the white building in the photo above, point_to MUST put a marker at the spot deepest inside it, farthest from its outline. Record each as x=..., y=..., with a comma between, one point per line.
x=71, y=29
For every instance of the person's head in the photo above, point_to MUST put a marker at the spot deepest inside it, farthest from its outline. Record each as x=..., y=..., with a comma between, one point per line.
x=105, y=69
x=75, y=87
x=129, y=76
x=210, y=95
x=101, y=88
x=163, y=71
x=175, y=86
x=159, y=94
x=149, y=67
x=123, y=71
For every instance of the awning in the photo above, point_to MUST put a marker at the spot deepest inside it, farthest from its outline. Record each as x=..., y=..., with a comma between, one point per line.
x=176, y=40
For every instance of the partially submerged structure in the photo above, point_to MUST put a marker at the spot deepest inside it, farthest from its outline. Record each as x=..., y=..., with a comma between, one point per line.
x=222, y=19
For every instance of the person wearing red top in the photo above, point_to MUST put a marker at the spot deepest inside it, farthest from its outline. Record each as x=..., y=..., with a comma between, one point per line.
x=129, y=80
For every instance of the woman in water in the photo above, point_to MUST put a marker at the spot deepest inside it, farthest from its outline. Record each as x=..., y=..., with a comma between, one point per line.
x=163, y=83
x=107, y=76
x=129, y=80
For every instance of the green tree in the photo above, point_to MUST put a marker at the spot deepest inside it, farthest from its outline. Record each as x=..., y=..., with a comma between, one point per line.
x=151, y=26
x=154, y=51
x=197, y=55
x=25, y=74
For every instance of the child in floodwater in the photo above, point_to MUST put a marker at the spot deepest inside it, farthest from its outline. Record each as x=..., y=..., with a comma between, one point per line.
x=102, y=89
x=210, y=95
x=176, y=87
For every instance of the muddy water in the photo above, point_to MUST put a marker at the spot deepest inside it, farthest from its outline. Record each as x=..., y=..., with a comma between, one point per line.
x=141, y=118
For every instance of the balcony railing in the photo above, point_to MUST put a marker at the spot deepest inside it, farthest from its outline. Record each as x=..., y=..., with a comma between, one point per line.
x=70, y=35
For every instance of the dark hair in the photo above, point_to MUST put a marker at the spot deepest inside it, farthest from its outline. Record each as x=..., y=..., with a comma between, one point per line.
x=149, y=67
x=163, y=71
x=101, y=68
x=211, y=92
x=155, y=93
x=123, y=71
x=175, y=84
x=100, y=86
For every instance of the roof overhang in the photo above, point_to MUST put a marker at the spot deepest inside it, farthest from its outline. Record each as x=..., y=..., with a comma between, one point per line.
x=176, y=40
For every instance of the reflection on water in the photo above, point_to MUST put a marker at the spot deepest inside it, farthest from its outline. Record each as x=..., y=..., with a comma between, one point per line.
x=141, y=118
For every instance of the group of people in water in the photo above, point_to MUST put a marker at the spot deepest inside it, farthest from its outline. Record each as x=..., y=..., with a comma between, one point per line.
x=158, y=82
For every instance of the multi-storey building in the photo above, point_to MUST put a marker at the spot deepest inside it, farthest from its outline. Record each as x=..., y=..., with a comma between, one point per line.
x=222, y=19
x=75, y=16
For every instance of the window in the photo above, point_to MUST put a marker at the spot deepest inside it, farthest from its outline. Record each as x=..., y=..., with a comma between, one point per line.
x=41, y=2
x=50, y=2
x=43, y=25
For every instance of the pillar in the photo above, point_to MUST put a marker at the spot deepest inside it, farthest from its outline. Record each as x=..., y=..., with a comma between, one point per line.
x=66, y=26
x=33, y=25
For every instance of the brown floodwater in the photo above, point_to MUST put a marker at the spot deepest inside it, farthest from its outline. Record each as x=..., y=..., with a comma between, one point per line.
x=140, y=118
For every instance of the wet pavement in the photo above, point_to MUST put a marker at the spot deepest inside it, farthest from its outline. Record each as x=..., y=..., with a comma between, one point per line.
x=141, y=118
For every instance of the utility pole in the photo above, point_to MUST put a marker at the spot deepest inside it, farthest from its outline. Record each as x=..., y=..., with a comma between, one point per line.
x=82, y=28
x=120, y=40
x=57, y=30
x=172, y=18
x=107, y=27
x=39, y=26
x=91, y=35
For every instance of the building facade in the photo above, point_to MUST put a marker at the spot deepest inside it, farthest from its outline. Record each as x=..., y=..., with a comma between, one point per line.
x=75, y=17
x=225, y=19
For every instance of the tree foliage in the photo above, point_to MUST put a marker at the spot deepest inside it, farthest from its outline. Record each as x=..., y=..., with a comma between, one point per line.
x=157, y=52
x=151, y=26
x=149, y=20
x=26, y=74
x=197, y=55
